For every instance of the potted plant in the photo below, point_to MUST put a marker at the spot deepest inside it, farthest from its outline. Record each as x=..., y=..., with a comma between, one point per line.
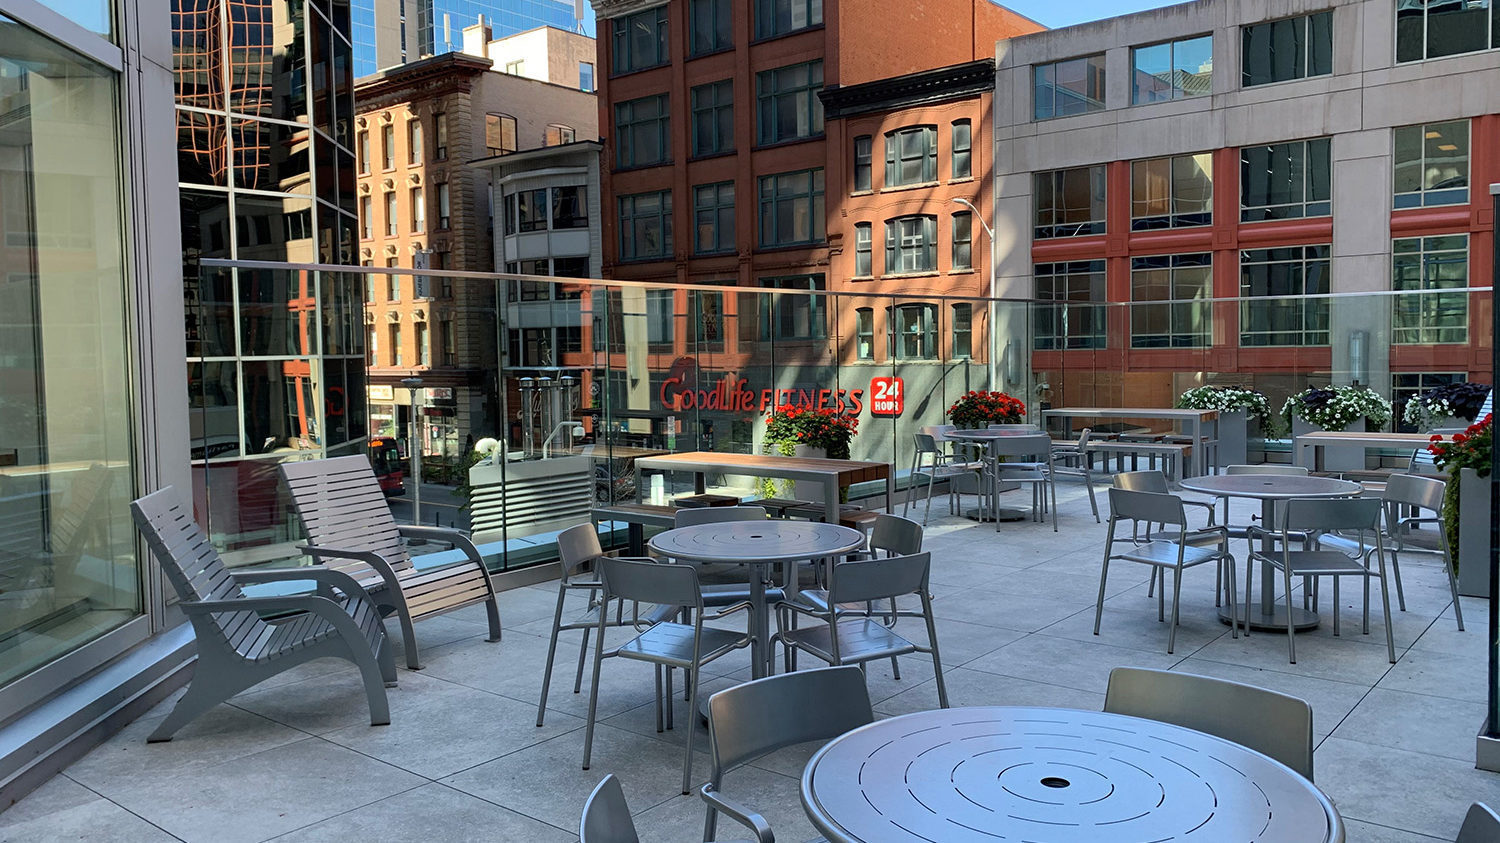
x=1236, y=406
x=1449, y=405
x=1337, y=408
x=978, y=409
x=807, y=432
x=1466, y=502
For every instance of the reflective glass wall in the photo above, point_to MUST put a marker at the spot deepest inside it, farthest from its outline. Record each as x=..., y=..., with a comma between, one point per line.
x=68, y=571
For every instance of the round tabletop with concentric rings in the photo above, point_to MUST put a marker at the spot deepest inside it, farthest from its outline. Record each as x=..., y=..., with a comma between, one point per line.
x=1054, y=776
x=1270, y=486
x=757, y=542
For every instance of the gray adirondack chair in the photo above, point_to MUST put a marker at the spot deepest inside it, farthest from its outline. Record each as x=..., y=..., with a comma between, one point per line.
x=350, y=529
x=236, y=647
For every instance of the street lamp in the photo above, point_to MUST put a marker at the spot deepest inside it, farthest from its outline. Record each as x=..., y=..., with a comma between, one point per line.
x=994, y=306
x=415, y=449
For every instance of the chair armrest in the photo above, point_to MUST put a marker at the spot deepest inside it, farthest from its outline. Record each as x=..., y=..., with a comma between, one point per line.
x=317, y=573
x=1207, y=505
x=742, y=606
x=323, y=607
x=369, y=557
x=739, y=813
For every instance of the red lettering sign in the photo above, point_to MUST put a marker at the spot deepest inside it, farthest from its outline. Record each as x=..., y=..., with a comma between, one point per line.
x=682, y=390
x=887, y=397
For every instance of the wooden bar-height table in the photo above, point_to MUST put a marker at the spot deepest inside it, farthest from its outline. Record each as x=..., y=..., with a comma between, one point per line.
x=833, y=474
x=1194, y=418
x=1309, y=446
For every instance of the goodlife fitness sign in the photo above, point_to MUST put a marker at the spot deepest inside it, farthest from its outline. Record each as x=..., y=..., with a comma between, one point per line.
x=736, y=395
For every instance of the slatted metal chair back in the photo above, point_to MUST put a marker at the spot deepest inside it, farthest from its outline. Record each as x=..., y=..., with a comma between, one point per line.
x=750, y=720
x=895, y=535
x=1150, y=507
x=194, y=568
x=650, y=582
x=1352, y=514
x=70, y=530
x=341, y=505
x=717, y=515
x=1424, y=492
x=879, y=579
x=1142, y=481
x=578, y=546
x=1268, y=468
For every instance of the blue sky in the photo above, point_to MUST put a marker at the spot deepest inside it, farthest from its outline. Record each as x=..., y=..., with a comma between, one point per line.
x=1056, y=13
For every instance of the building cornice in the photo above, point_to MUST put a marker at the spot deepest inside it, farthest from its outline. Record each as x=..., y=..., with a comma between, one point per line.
x=941, y=84
x=606, y=9
x=435, y=74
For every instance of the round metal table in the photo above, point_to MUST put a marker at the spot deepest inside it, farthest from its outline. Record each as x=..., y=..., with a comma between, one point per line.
x=758, y=543
x=1004, y=513
x=1054, y=775
x=1269, y=488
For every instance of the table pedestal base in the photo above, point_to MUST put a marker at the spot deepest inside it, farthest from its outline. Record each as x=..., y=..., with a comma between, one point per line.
x=1274, y=620
x=1007, y=513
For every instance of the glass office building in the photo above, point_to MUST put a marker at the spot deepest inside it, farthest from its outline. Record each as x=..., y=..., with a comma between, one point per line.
x=391, y=32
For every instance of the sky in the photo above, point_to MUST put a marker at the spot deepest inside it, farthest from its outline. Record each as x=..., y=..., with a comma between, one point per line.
x=1056, y=13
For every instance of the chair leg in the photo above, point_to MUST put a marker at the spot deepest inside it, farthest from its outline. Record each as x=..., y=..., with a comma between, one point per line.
x=687, y=763
x=1458, y=612
x=1249, y=587
x=1088, y=483
x=583, y=651
x=1099, y=604
x=670, y=696
x=1337, y=605
x=1176, y=601
x=1291, y=628
x=937, y=660
x=1385, y=597
x=1219, y=586
x=1227, y=571
x=492, y=611
x=588, y=732
x=1052, y=485
x=207, y=689
x=1396, y=574
x=371, y=672
x=541, y=706
x=659, y=727
x=409, y=640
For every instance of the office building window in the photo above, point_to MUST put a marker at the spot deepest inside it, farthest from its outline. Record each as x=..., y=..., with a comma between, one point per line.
x=508, y=211
x=1069, y=203
x=445, y=335
x=910, y=245
x=1269, y=279
x=640, y=40
x=911, y=156
x=963, y=331
x=558, y=134
x=531, y=210
x=784, y=316
x=424, y=353
x=1172, y=70
x=569, y=208
x=963, y=154
x=789, y=104
x=397, y=358
x=391, y=226
x=388, y=147
x=586, y=77
x=1170, y=301
x=445, y=284
x=1172, y=192
x=439, y=136
x=791, y=208
x=372, y=347
x=1072, y=314
x=1283, y=50
x=713, y=208
x=862, y=154
x=713, y=117
x=963, y=240
x=710, y=26
x=516, y=68
x=642, y=132
x=1429, y=30
x=660, y=314
x=499, y=134
x=864, y=263
x=1432, y=164
x=864, y=333
x=418, y=210
x=366, y=218
x=1064, y=88
x=392, y=283
x=364, y=153
x=1426, y=266
x=445, y=210
x=1286, y=181
x=911, y=332
x=646, y=226
x=369, y=284
x=414, y=141
x=778, y=17
x=708, y=320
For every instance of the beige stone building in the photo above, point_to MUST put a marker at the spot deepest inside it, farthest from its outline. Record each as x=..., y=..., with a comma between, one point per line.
x=417, y=128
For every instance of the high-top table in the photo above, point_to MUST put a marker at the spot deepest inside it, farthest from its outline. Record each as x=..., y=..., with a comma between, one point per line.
x=1193, y=418
x=1269, y=488
x=1309, y=446
x=832, y=474
x=759, y=543
x=1053, y=775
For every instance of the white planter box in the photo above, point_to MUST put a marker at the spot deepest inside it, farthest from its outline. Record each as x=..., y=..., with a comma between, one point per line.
x=1473, y=534
x=1335, y=457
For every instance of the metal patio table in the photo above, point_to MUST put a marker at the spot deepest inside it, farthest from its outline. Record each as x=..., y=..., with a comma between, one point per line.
x=758, y=543
x=1054, y=775
x=1003, y=513
x=1269, y=488
x=1193, y=420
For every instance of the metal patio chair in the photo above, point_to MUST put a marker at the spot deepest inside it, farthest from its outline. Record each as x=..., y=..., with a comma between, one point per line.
x=1177, y=556
x=578, y=549
x=931, y=464
x=350, y=529
x=1071, y=459
x=1156, y=481
x=1268, y=722
x=841, y=640
x=1039, y=475
x=1359, y=516
x=665, y=644
x=750, y=721
x=237, y=649
x=606, y=815
x=1481, y=825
